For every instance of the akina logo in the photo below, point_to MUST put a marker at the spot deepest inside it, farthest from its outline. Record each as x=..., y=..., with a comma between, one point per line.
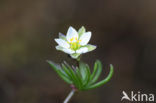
x=137, y=96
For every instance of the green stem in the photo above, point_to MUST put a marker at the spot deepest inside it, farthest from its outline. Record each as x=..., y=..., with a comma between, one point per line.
x=69, y=96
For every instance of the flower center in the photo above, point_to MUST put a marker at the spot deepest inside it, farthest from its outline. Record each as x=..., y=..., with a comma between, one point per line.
x=74, y=43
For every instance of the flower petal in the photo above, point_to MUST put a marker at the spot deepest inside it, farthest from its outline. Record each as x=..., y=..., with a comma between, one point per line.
x=68, y=51
x=71, y=33
x=82, y=50
x=84, y=39
x=62, y=43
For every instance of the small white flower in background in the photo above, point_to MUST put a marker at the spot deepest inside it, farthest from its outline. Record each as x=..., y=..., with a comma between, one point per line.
x=75, y=43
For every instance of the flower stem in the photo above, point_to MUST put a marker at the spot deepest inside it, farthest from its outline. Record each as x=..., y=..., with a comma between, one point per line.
x=69, y=96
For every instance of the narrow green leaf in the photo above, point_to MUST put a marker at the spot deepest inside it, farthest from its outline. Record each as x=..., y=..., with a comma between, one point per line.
x=94, y=71
x=67, y=72
x=97, y=72
x=103, y=81
x=66, y=79
x=53, y=65
x=74, y=76
x=79, y=77
x=78, y=74
x=57, y=67
x=83, y=70
x=60, y=72
x=86, y=81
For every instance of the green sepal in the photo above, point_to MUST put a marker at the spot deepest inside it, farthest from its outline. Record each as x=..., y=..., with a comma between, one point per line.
x=59, y=48
x=75, y=55
x=81, y=31
x=62, y=36
x=90, y=47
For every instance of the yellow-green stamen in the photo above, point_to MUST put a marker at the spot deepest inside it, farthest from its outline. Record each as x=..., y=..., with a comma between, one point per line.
x=74, y=43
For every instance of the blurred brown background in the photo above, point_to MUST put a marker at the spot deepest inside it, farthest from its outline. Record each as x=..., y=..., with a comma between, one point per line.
x=123, y=30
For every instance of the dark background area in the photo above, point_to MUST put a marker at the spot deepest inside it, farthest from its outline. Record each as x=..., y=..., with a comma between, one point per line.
x=123, y=30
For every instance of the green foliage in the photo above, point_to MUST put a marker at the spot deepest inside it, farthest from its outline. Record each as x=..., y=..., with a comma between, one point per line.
x=81, y=77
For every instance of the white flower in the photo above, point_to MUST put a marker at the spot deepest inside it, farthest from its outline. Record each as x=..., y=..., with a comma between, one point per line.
x=75, y=43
